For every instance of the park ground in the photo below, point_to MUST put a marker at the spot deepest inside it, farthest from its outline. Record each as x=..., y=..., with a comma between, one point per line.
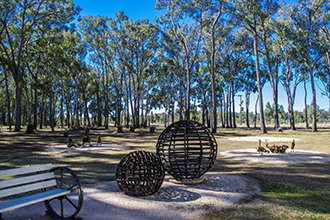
x=288, y=191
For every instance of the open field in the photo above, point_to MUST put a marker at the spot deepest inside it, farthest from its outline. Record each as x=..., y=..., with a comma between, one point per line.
x=288, y=191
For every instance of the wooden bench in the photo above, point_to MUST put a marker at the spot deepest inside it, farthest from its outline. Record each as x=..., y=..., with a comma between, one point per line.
x=59, y=188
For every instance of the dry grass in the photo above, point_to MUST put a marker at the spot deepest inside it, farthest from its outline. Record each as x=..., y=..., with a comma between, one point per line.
x=296, y=191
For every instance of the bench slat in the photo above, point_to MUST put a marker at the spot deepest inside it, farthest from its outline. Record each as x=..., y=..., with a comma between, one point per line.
x=27, y=188
x=26, y=179
x=24, y=170
x=28, y=200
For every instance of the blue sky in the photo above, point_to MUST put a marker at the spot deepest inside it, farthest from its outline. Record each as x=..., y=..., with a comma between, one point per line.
x=145, y=9
x=136, y=10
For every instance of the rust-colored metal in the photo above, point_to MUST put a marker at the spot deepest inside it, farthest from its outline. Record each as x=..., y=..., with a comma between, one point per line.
x=140, y=173
x=187, y=149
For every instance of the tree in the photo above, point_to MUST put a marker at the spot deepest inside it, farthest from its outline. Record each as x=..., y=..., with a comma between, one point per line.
x=271, y=55
x=189, y=34
x=213, y=108
x=20, y=22
x=307, y=32
x=249, y=15
x=291, y=64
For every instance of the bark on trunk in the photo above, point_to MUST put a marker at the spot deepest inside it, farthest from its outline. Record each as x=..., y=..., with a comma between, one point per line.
x=233, y=102
x=247, y=104
x=8, y=99
x=261, y=110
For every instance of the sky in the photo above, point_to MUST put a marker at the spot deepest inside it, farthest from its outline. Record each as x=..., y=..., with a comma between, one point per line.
x=145, y=9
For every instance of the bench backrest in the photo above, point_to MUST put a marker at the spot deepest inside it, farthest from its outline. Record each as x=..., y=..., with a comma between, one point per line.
x=26, y=179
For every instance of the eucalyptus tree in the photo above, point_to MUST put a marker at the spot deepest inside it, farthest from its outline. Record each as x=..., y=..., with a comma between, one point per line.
x=250, y=15
x=95, y=33
x=292, y=71
x=74, y=51
x=202, y=77
x=173, y=54
x=270, y=56
x=249, y=86
x=305, y=16
x=20, y=22
x=34, y=51
x=215, y=6
x=244, y=43
x=187, y=23
x=324, y=40
x=51, y=60
x=6, y=81
x=136, y=47
x=324, y=76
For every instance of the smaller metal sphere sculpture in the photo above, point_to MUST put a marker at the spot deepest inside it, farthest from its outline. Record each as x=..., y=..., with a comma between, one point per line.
x=187, y=150
x=140, y=173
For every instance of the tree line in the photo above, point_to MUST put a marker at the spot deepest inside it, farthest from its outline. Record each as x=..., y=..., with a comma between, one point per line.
x=59, y=68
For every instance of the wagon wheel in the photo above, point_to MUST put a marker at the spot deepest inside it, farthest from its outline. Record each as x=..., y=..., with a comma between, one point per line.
x=67, y=206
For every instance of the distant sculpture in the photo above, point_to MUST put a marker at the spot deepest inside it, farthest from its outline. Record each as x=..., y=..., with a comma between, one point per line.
x=86, y=138
x=282, y=149
x=293, y=144
x=277, y=149
x=99, y=140
x=261, y=149
x=73, y=143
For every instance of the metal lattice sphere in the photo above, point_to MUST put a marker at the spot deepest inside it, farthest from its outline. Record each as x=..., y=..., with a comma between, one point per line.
x=187, y=150
x=140, y=173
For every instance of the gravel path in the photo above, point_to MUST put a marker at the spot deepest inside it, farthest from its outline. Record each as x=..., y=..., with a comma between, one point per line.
x=298, y=156
x=173, y=201
x=93, y=148
x=263, y=139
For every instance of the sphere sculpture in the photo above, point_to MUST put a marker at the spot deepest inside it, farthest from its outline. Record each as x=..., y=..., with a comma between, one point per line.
x=187, y=150
x=140, y=173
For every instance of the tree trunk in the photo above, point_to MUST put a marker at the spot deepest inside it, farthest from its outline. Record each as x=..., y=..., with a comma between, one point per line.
x=99, y=109
x=273, y=82
x=180, y=99
x=221, y=113
x=256, y=112
x=17, y=104
x=187, y=104
x=290, y=110
x=173, y=111
x=42, y=106
x=213, y=109
x=8, y=98
x=247, y=103
x=105, y=97
x=35, y=114
x=131, y=100
x=233, y=102
x=77, y=124
x=51, y=104
x=229, y=105
x=261, y=110
x=68, y=109
x=306, y=115
x=314, y=126
x=203, y=111
x=127, y=107
x=62, y=105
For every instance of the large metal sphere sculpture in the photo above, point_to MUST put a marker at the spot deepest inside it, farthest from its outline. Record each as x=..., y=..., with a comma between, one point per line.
x=140, y=173
x=187, y=150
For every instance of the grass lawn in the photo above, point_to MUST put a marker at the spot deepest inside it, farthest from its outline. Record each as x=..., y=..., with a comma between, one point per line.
x=288, y=191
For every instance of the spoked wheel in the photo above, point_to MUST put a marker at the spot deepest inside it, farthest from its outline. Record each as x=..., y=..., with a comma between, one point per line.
x=67, y=206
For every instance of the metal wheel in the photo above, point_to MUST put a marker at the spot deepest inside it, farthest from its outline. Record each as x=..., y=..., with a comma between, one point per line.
x=68, y=206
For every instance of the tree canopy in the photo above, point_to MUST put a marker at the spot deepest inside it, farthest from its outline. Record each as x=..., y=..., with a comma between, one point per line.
x=57, y=68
